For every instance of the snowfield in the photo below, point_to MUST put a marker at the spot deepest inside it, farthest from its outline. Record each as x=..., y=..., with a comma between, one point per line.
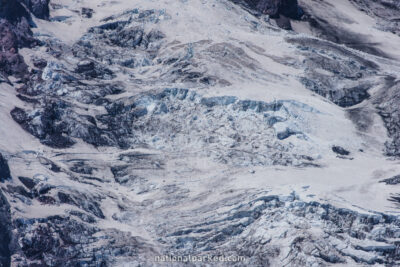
x=200, y=127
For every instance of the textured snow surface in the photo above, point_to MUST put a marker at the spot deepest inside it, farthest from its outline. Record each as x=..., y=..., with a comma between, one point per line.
x=194, y=127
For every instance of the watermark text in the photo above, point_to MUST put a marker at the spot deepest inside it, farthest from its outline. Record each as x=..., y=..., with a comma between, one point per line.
x=200, y=258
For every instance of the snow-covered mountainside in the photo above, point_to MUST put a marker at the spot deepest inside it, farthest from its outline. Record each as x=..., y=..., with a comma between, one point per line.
x=171, y=132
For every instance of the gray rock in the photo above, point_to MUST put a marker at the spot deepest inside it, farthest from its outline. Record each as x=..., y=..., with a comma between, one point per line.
x=39, y=8
x=27, y=182
x=5, y=231
x=87, y=12
x=340, y=151
x=4, y=169
x=391, y=181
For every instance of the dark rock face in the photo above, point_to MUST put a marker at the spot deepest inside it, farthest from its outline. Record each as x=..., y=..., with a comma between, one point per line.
x=87, y=12
x=13, y=64
x=50, y=241
x=346, y=79
x=84, y=202
x=5, y=217
x=11, y=10
x=5, y=231
x=387, y=105
x=15, y=28
x=4, y=169
x=13, y=36
x=392, y=181
x=340, y=151
x=8, y=39
x=82, y=168
x=58, y=124
x=274, y=8
x=51, y=132
x=284, y=23
x=85, y=66
x=28, y=182
x=39, y=8
x=15, y=33
x=89, y=69
x=52, y=236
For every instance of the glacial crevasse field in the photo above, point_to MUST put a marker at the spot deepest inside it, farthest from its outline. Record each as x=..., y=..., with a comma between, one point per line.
x=131, y=130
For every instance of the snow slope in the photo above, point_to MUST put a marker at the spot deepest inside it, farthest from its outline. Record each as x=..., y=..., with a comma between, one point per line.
x=196, y=128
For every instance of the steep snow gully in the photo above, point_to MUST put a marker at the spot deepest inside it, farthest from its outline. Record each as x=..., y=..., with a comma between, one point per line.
x=199, y=133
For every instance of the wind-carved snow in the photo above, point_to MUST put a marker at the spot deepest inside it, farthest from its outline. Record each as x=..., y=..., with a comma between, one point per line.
x=196, y=128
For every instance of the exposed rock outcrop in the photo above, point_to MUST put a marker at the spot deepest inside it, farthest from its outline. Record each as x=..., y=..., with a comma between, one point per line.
x=15, y=33
x=39, y=8
x=5, y=231
x=386, y=11
x=387, y=105
x=274, y=8
x=4, y=169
